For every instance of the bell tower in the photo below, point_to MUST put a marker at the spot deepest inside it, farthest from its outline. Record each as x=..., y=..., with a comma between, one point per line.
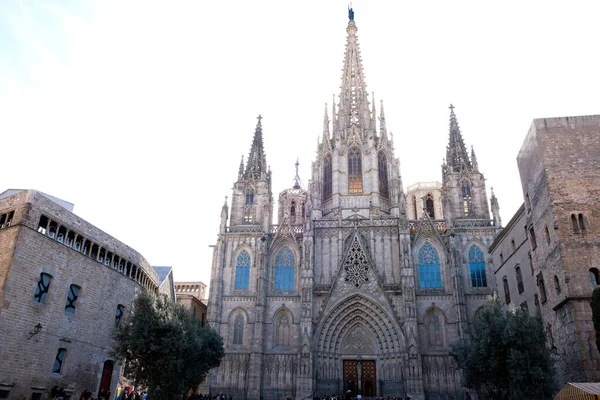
x=464, y=189
x=252, y=201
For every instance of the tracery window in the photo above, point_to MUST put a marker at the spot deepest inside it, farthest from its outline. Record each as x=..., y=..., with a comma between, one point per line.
x=466, y=197
x=519, y=275
x=72, y=299
x=293, y=209
x=506, y=290
x=477, y=267
x=327, y=178
x=242, y=271
x=43, y=286
x=430, y=276
x=434, y=329
x=355, y=183
x=238, y=329
x=283, y=330
x=249, y=206
x=384, y=190
x=284, y=270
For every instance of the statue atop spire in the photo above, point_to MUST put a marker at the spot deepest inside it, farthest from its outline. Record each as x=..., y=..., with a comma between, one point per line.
x=297, y=177
x=350, y=13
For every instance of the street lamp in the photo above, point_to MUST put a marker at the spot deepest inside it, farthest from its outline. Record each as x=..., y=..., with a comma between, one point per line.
x=36, y=330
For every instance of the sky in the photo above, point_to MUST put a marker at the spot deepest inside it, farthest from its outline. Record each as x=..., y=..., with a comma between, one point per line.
x=139, y=111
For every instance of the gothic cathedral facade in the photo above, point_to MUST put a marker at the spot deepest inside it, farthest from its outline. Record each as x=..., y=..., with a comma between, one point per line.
x=360, y=286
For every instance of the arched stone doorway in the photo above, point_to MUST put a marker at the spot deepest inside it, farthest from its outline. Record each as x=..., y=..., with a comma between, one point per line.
x=360, y=348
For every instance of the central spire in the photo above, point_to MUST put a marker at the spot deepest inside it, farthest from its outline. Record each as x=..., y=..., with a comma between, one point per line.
x=354, y=98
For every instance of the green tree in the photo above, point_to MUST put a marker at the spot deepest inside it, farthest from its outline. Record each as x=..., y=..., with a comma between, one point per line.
x=596, y=314
x=165, y=348
x=505, y=355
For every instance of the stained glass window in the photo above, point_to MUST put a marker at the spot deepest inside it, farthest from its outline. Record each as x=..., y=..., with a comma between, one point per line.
x=355, y=184
x=284, y=270
x=72, y=299
x=249, y=196
x=242, y=271
x=41, y=292
x=466, y=189
x=477, y=267
x=383, y=175
x=434, y=329
x=59, y=361
x=430, y=276
x=238, y=330
x=119, y=315
x=327, y=177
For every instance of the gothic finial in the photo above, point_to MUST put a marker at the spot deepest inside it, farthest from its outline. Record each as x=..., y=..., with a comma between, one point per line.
x=225, y=201
x=451, y=108
x=297, y=177
x=241, y=170
x=474, y=160
x=382, y=124
x=326, y=135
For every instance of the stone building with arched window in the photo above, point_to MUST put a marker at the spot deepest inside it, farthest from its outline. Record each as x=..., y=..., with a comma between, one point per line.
x=359, y=286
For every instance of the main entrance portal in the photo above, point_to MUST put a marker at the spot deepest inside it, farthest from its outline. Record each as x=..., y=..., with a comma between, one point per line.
x=360, y=377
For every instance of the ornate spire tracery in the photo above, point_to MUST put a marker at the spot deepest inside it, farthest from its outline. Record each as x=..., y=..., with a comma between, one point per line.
x=456, y=153
x=257, y=161
x=354, y=98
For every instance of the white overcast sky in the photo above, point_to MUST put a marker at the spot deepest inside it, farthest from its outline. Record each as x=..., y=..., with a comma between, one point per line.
x=139, y=111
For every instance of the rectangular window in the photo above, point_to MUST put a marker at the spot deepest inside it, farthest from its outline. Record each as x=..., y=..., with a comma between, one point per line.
x=72, y=298
x=43, y=286
x=119, y=315
x=43, y=224
x=36, y=396
x=532, y=238
x=4, y=394
x=59, y=361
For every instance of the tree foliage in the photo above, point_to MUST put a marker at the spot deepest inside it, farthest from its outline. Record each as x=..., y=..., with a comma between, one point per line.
x=596, y=314
x=505, y=355
x=165, y=348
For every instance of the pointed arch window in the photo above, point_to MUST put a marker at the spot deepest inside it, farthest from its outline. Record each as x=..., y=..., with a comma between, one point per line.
x=429, y=206
x=506, y=290
x=465, y=186
x=249, y=206
x=384, y=190
x=477, y=267
x=519, y=275
x=284, y=270
x=430, y=276
x=434, y=329
x=293, y=209
x=355, y=183
x=594, y=277
x=242, y=271
x=327, y=178
x=238, y=329
x=283, y=330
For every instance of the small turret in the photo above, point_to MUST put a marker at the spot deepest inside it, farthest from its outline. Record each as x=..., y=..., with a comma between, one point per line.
x=241, y=171
x=224, y=216
x=474, y=160
x=495, y=210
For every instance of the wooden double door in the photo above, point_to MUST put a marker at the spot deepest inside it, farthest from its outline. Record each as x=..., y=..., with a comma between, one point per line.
x=360, y=377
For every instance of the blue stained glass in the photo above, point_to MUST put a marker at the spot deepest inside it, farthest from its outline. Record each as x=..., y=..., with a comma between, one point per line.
x=430, y=276
x=284, y=270
x=477, y=267
x=242, y=271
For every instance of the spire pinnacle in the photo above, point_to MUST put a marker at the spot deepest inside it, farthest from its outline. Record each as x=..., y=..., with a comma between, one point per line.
x=354, y=98
x=297, y=177
x=257, y=162
x=326, y=134
x=241, y=171
x=474, y=159
x=456, y=153
x=382, y=124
